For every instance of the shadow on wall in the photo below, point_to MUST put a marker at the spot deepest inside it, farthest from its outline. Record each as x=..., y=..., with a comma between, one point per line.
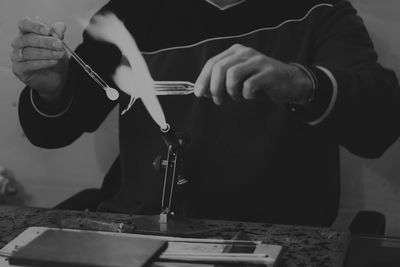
x=388, y=167
x=360, y=175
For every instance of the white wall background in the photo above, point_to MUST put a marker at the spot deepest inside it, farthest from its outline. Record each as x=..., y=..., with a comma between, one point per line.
x=49, y=176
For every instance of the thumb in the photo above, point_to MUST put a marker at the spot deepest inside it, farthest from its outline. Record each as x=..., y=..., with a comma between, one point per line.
x=59, y=28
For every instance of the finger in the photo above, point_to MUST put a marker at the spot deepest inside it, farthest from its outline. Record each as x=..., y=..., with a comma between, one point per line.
x=32, y=53
x=251, y=86
x=16, y=42
x=17, y=55
x=202, y=83
x=255, y=74
x=237, y=75
x=34, y=40
x=56, y=30
x=59, y=28
x=32, y=65
x=260, y=84
x=218, y=76
x=28, y=25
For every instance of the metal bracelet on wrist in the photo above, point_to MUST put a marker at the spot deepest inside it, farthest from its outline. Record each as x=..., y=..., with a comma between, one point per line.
x=313, y=79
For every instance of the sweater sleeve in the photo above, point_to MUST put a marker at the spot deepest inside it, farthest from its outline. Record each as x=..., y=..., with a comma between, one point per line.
x=87, y=104
x=361, y=96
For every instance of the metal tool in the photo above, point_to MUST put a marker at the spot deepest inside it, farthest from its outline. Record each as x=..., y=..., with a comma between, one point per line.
x=166, y=88
x=97, y=225
x=174, y=173
x=111, y=93
x=173, y=87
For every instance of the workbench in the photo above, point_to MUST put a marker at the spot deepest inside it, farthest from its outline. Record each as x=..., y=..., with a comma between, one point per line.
x=303, y=246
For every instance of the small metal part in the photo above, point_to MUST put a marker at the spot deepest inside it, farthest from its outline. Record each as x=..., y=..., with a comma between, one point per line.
x=174, y=173
x=166, y=129
x=163, y=217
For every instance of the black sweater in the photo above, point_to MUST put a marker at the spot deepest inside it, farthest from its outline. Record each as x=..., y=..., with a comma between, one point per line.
x=253, y=161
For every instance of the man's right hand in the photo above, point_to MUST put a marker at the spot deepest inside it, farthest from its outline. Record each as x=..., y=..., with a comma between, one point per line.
x=38, y=58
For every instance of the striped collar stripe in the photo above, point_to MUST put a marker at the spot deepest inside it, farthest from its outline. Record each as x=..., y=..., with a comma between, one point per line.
x=240, y=35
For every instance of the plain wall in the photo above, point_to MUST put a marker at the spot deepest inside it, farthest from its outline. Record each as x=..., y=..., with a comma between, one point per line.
x=49, y=176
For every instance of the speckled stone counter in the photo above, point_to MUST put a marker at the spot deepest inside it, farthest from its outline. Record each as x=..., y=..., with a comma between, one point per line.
x=303, y=246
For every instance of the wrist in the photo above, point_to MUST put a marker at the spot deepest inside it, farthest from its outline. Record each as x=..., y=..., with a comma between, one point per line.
x=306, y=85
x=58, y=92
x=325, y=95
x=51, y=104
x=50, y=110
x=55, y=96
x=52, y=98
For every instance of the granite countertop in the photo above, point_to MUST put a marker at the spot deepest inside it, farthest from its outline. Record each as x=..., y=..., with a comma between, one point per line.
x=303, y=246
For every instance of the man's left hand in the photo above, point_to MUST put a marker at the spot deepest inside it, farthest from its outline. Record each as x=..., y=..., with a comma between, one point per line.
x=244, y=73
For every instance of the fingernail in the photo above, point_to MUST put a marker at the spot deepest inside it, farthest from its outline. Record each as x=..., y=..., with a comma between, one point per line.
x=58, y=53
x=45, y=30
x=217, y=100
x=57, y=44
x=197, y=89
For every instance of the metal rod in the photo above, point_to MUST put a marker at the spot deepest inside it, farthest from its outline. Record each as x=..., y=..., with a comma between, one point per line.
x=165, y=178
x=171, y=192
x=112, y=93
x=221, y=259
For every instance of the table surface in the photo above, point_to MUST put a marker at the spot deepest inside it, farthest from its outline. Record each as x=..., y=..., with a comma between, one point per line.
x=373, y=251
x=303, y=246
